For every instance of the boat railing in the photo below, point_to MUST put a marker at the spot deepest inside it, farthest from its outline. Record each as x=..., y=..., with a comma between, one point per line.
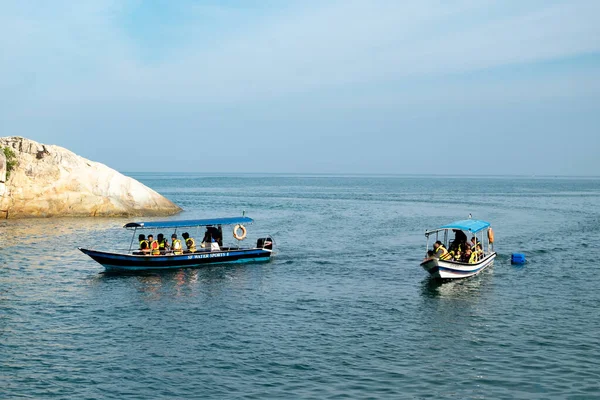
x=209, y=249
x=138, y=252
x=260, y=243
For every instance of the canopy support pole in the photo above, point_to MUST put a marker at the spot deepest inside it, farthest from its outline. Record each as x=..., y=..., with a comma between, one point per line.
x=132, y=237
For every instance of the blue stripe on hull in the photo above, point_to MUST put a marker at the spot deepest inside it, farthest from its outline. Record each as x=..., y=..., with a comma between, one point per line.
x=120, y=268
x=125, y=262
x=461, y=272
x=436, y=270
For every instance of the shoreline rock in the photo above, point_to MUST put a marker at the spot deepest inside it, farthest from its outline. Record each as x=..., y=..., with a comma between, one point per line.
x=51, y=181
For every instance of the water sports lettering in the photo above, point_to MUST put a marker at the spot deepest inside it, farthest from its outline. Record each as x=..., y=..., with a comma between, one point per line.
x=207, y=255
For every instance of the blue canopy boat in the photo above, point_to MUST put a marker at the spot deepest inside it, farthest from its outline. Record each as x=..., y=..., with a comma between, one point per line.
x=448, y=261
x=209, y=251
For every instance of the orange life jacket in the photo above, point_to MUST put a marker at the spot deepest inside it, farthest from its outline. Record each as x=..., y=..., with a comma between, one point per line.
x=155, y=247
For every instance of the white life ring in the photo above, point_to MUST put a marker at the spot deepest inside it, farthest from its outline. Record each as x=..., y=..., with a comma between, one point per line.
x=237, y=235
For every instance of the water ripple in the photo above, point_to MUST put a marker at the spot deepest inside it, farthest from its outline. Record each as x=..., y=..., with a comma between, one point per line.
x=343, y=310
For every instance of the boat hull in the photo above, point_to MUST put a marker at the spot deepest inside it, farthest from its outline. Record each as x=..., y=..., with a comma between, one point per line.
x=441, y=269
x=115, y=262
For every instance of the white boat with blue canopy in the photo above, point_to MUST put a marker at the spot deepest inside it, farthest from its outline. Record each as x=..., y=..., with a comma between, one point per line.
x=461, y=256
x=187, y=252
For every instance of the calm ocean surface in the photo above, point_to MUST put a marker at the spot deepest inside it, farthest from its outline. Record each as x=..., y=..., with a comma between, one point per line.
x=343, y=310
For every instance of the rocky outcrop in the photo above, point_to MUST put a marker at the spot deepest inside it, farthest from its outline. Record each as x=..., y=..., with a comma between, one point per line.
x=51, y=181
x=2, y=174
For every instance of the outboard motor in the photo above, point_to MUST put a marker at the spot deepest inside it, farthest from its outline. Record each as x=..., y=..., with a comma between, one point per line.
x=265, y=243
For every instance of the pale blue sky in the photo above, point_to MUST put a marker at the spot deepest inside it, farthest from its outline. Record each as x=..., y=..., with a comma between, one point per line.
x=398, y=87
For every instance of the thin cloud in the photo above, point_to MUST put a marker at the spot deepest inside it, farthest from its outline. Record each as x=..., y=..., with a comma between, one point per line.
x=84, y=52
x=300, y=71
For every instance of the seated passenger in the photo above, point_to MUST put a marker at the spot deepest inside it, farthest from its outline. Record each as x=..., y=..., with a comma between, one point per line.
x=163, y=244
x=153, y=245
x=440, y=251
x=454, y=246
x=479, y=252
x=176, y=245
x=430, y=254
x=189, y=242
x=457, y=254
x=144, y=247
x=472, y=255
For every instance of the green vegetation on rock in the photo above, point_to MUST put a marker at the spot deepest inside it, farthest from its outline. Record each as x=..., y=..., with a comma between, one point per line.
x=11, y=160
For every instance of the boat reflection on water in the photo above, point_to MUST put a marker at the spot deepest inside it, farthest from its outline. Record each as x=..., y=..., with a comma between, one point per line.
x=210, y=281
x=453, y=304
x=455, y=311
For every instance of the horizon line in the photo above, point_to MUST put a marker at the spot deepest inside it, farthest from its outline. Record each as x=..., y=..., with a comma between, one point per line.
x=366, y=174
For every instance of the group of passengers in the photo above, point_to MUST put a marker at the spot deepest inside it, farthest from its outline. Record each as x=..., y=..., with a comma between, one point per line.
x=460, y=250
x=161, y=245
x=213, y=238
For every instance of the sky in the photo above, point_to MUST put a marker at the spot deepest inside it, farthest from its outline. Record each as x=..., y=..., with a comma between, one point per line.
x=477, y=87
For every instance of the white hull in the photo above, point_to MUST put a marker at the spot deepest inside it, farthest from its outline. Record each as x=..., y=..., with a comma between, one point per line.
x=452, y=270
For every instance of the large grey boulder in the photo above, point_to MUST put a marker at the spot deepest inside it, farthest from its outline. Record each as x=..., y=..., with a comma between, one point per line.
x=51, y=181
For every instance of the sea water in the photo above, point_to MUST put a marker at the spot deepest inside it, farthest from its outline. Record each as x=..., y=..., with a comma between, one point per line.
x=342, y=311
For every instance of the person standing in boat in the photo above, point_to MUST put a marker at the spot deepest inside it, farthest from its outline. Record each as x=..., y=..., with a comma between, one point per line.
x=189, y=242
x=176, y=244
x=213, y=234
x=219, y=238
x=458, y=245
x=206, y=239
x=207, y=236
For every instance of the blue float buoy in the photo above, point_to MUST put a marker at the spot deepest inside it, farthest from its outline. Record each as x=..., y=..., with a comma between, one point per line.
x=517, y=258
